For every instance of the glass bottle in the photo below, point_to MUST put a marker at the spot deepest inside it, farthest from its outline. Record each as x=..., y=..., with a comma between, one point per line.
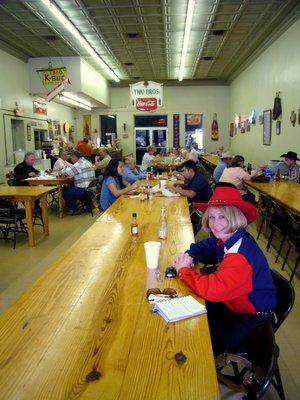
x=134, y=225
x=142, y=194
x=162, y=232
x=277, y=176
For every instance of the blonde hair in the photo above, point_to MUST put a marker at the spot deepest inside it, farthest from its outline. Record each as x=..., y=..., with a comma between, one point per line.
x=236, y=219
x=129, y=161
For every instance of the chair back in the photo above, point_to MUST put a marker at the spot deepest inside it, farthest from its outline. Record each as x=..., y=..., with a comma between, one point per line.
x=285, y=298
x=196, y=219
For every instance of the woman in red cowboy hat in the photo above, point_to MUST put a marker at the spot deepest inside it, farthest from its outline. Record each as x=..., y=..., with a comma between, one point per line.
x=240, y=294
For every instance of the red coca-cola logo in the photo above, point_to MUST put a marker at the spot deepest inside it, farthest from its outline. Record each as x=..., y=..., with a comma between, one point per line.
x=146, y=104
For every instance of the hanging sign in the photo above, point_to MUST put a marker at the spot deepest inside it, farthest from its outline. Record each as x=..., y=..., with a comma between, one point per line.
x=54, y=76
x=58, y=89
x=39, y=107
x=146, y=96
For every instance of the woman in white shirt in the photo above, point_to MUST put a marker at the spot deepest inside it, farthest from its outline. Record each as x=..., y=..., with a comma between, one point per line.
x=61, y=162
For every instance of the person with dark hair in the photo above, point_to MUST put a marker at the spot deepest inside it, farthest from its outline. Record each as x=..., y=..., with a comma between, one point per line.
x=83, y=173
x=196, y=187
x=236, y=174
x=113, y=185
x=240, y=294
x=25, y=170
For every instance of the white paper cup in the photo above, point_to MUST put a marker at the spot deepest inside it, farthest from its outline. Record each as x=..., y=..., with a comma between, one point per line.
x=152, y=250
x=163, y=183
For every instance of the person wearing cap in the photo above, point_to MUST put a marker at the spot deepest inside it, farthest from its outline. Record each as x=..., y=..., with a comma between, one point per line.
x=290, y=160
x=225, y=161
x=240, y=294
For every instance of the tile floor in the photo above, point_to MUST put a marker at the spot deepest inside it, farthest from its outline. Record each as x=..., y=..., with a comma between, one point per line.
x=19, y=268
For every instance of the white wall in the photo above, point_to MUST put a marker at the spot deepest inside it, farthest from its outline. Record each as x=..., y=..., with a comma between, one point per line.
x=176, y=100
x=277, y=69
x=14, y=86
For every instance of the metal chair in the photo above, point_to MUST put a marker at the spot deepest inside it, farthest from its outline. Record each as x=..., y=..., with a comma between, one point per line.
x=253, y=375
x=293, y=242
x=11, y=220
x=285, y=299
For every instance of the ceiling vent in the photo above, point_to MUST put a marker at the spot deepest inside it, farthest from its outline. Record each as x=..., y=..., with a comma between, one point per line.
x=218, y=32
x=133, y=35
x=51, y=38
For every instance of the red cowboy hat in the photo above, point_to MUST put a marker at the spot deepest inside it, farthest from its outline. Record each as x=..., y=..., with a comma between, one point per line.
x=227, y=196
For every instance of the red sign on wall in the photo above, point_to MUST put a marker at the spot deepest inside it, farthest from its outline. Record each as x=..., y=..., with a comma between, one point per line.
x=39, y=108
x=146, y=104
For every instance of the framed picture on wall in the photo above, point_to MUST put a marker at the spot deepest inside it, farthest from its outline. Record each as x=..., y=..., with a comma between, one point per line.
x=267, y=127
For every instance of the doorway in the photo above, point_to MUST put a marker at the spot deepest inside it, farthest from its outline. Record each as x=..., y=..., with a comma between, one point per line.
x=150, y=131
x=108, y=124
x=18, y=134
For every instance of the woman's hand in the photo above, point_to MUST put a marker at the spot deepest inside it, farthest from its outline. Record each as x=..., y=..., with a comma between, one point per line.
x=183, y=260
x=134, y=186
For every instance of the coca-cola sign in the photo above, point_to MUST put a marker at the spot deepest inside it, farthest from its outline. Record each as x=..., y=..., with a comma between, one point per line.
x=146, y=104
x=146, y=96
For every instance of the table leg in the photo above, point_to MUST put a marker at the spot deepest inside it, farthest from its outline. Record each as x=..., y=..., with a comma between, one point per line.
x=45, y=214
x=29, y=222
x=61, y=202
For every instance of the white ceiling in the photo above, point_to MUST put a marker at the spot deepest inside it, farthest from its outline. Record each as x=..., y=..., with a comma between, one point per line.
x=230, y=33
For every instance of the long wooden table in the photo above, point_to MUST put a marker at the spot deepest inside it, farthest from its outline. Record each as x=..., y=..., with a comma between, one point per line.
x=211, y=159
x=88, y=315
x=28, y=195
x=59, y=182
x=284, y=192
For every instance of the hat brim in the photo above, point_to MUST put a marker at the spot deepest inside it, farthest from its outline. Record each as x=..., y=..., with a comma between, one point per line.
x=288, y=156
x=247, y=209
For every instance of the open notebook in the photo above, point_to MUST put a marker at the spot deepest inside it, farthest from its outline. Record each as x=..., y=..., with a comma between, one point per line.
x=179, y=308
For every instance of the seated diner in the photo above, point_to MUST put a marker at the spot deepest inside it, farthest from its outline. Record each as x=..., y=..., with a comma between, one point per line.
x=113, y=185
x=240, y=294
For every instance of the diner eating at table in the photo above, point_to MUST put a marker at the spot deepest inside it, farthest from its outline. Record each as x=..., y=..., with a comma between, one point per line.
x=25, y=170
x=113, y=185
x=61, y=162
x=240, y=293
x=130, y=171
x=83, y=173
x=147, y=159
x=196, y=187
x=236, y=174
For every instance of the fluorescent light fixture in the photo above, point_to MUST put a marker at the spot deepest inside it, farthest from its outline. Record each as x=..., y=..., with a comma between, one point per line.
x=74, y=96
x=187, y=31
x=111, y=116
x=73, y=102
x=75, y=32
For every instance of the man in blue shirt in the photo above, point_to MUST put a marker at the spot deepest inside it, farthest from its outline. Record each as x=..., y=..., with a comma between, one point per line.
x=225, y=161
x=196, y=188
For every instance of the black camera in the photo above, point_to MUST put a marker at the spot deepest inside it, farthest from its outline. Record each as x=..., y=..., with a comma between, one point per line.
x=170, y=272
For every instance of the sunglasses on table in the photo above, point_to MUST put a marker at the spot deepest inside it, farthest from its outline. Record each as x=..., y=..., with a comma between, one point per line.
x=167, y=292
